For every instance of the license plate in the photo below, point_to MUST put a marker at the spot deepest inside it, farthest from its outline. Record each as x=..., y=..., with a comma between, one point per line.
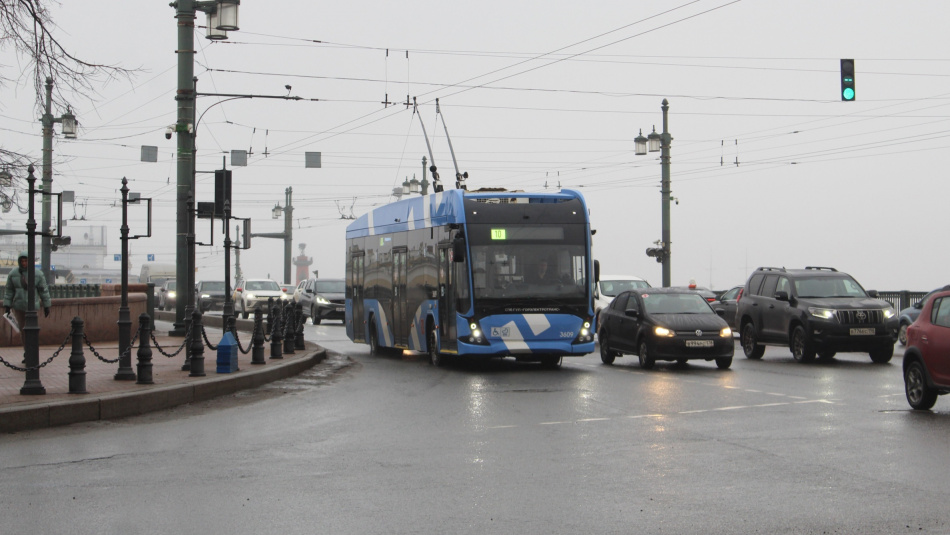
x=862, y=331
x=699, y=343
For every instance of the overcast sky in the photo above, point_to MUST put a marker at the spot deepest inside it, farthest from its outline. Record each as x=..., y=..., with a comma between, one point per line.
x=769, y=166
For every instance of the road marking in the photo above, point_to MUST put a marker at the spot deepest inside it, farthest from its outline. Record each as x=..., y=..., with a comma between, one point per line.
x=696, y=411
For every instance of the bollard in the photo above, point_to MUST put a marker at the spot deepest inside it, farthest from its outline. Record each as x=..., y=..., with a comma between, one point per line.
x=227, y=353
x=77, y=361
x=298, y=339
x=270, y=315
x=275, y=338
x=290, y=325
x=197, y=346
x=144, y=365
x=257, y=351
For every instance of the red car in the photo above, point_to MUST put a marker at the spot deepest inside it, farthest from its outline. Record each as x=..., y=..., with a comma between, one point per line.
x=927, y=358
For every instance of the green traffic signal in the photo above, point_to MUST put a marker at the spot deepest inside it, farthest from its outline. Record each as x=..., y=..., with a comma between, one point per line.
x=847, y=79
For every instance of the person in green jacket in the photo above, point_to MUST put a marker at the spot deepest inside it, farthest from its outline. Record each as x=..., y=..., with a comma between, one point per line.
x=16, y=297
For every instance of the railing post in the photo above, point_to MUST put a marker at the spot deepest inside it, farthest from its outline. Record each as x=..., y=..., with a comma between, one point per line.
x=275, y=337
x=298, y=339
x=189, y=337
x=77, y=360
x=144, y=366
x=290, y=324
x=257, y=352
x=197, y=346
x=270, y=315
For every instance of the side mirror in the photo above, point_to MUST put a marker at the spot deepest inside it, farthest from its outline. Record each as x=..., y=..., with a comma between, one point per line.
x=596, y=270
x=919, y=304
x=632, y=313
x=310, y=291
x=872, y=293
x=458, y=248
x=721, y=312
x=781, y=295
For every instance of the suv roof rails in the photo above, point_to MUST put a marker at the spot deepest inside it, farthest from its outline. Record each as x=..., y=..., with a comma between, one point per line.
x=770, y=269
x=819, y=268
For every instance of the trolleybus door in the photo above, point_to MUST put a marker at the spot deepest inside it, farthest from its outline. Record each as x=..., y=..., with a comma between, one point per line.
x=400, y=323
x=356, y=283
x=447, y=328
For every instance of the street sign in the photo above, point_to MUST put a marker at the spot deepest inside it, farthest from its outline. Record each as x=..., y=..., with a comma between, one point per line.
x=118, y=258
x=151, y=258
x=108, y=281
x=82, y=281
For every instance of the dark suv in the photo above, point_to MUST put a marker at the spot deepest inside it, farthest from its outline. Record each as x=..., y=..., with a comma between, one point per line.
x=816, y=310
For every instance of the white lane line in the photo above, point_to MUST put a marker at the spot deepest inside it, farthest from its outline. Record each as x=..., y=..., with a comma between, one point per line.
x=696, y=411
x=774, y=394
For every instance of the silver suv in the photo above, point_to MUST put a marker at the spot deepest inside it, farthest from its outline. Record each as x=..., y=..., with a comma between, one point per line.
x=249, y=292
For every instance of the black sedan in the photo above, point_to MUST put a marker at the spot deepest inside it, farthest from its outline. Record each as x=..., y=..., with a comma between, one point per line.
x=727, y=303
x=671, y=324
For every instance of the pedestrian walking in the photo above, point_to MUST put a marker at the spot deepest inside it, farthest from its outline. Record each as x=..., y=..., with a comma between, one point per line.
x=15, y=295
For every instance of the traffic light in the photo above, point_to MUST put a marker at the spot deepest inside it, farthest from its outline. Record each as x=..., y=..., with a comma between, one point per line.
x=657, y=252
x=56, y=243
x=847, y=79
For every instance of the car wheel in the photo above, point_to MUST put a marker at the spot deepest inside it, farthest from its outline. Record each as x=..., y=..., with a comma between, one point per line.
x=244, y=313
x=606, y=355
x=802, y=347
x=827, y=354
x=551, y=362
x=724, y=363
x=750, y=347
x=920, y=396
x=432, y=341
x=646, y=361
x=373, y=341
x=314, y=319
x=682, y=362
x=883, y=354
x=902, y=334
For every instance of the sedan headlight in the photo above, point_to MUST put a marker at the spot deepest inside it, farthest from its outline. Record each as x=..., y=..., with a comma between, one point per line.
x=171, y=294
x=205, y=296
x=823, y=313
x=663, y=331
x=726, y=332
x=285, y=296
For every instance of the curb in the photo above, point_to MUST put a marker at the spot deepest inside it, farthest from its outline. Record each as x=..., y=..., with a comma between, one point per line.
x=119, y=405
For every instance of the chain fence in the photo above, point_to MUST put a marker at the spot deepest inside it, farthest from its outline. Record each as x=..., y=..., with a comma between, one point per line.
x=56, y=353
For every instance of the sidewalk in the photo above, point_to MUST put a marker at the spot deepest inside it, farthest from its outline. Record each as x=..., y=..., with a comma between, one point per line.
x=108, y=399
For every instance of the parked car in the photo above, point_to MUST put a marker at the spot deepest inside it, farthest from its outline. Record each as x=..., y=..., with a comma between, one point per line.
x=322, y=299
x=909, y=315
x=727, y=303
x=816, y=310
x=610, y=286
x=209, y=295
x=927, y=357
x=166, y=295
x=249, y=292
x=288, y=289
x=664, y=324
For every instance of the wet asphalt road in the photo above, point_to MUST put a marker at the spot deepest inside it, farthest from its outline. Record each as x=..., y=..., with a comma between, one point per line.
x=393, y=445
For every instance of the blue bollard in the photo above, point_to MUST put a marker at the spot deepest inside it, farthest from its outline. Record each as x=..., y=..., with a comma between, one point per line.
x=227, y=354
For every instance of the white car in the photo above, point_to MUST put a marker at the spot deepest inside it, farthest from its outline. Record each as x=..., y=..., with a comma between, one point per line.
x=610, y=286
x=249, y=292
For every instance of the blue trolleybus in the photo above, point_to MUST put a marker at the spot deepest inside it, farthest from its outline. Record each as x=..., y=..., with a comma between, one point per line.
x=480, y=273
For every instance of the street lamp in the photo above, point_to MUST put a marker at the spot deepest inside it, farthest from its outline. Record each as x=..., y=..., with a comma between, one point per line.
x=68, y=120
x=660, y=142
x=226, y=14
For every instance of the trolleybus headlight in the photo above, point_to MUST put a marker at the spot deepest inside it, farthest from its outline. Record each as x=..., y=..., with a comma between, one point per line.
x=476, y=336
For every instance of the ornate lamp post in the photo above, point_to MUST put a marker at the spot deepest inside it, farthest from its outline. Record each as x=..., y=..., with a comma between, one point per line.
x=660, y=142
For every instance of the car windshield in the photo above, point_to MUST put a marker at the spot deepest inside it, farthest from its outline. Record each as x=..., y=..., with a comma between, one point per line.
x=676, y=304
x=171, y=285
x=263, y=286
x=216, y=286
x=611, y=288
x=330, y=287
x=817, y=287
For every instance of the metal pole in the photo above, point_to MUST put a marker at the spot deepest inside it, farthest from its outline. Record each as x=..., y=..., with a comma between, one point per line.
x=665, y=140
x=125, y=372
x=185, y=13
x=237, y=253
x=288, y=233
x=228, y=312
x=30, y=330
x=424, y=183
x=47, y=181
